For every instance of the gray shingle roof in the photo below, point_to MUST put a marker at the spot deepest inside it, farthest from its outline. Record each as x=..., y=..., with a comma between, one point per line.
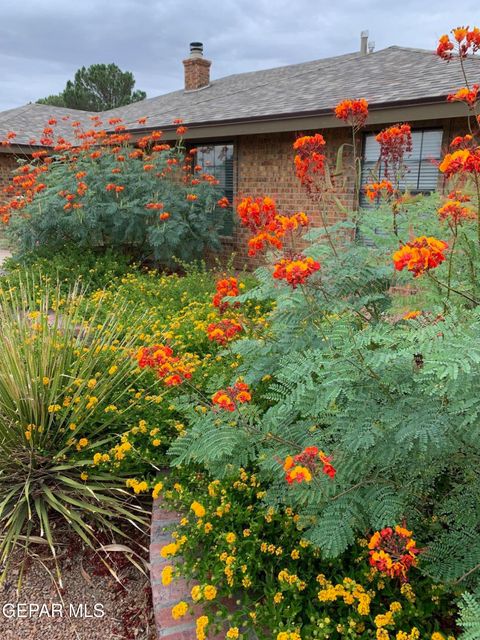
x=395, y=74
x=29, y=121
x=392, y=75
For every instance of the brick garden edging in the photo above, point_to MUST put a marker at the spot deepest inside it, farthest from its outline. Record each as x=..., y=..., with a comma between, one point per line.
x=164, y=598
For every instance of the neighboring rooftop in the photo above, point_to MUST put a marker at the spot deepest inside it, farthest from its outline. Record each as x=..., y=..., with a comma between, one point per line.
x=395, y=75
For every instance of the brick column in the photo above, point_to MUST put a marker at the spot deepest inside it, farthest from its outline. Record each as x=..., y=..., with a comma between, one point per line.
x=165, y=597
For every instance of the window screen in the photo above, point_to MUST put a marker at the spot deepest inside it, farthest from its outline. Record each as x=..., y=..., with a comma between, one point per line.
x=422, y=170
x=217, y=159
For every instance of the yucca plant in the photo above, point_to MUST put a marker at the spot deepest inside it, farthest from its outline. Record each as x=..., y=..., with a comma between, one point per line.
x=58, y=374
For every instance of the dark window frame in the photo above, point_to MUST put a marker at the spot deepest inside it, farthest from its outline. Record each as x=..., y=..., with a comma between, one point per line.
x=228, y=230
x=421, y=162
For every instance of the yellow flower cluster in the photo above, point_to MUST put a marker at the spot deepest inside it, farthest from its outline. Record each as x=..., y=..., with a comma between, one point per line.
x=291, y=579
x=156, y=490
x=136, y=485
x=202, y=623
x=208, y=592
x=179, y=610
x=198, y=509
x=167, y=575
x=351, y=592
x=289, y=635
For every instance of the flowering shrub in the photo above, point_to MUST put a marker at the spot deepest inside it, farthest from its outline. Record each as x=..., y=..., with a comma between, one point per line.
x=236, y=549
x=391, y=398
x=100, y=190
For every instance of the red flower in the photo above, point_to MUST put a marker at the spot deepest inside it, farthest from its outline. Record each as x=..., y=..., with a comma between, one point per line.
x=168, y=367
x=466, y=41
x=225, y=287
x=353, y=112
x=463, y=160
x=181, y=130
x=229, y=398
x=309, y=160
x=223, y=203
x=374, y=189
x=465, y=94
x=420, y=255
x=456, y=211
x=393, y=552
x=302, y=467
x=154, y=205
x=394, y=142
x=257, y=213
x=223, y=331
x=295, y=271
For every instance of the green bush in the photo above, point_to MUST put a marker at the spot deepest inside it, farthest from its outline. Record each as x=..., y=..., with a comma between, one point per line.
x=145, y=200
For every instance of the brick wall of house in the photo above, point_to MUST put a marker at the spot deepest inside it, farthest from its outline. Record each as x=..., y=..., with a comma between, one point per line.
x=7, y=164
x=264, y=167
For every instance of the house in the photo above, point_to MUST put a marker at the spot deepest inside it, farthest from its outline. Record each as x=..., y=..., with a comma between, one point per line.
x=244, y=124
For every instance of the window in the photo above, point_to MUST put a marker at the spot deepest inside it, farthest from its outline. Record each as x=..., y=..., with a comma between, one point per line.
x=422, y=172
x=217, y=160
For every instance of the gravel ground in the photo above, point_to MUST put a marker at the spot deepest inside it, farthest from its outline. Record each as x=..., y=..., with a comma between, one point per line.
x=75, y=612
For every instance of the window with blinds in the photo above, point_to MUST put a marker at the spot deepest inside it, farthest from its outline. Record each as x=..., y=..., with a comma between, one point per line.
x=422, y=163
x=217, y=160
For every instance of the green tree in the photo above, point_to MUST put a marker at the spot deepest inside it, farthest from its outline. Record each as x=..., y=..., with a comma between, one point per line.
x=97, y=88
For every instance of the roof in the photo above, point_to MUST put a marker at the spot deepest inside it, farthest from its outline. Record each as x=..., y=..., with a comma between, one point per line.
x=395, y=75
x=29, y=121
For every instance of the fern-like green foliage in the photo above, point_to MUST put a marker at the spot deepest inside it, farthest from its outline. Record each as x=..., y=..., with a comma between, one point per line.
x=396, y=403
x=469, y=619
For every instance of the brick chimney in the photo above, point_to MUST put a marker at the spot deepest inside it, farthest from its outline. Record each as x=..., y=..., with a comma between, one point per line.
x=197, y=69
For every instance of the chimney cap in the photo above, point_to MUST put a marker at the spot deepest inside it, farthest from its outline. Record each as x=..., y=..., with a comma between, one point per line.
x=196, y=48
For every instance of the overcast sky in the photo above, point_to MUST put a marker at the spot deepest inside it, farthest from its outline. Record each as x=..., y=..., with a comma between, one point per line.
x=43, y=42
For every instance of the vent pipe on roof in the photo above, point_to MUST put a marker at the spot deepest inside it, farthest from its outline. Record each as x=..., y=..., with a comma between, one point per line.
x=371, y=46
x=364, y=43
x=197, y=68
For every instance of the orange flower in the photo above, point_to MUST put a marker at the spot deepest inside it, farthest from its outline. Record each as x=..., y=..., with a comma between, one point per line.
x=148, y=167
x=164, y=216
x=168, y=367
x=374, y=189
x=411, y=315
x=302, y=467
x=309, y=160
x=394, y=143
x=223, y=331
x=465, y=94
x=154, y=205
x=353, y=112
x=181, y=130
x=393, y=552
x=191, y=197
x=420, y=255
x=229, y=398
x=225, y=287
x=295, y=271
x=456, y=211
x=223, y=203
x=466, y=41
x=463, y=160
x=142, y=120
x=257, y=213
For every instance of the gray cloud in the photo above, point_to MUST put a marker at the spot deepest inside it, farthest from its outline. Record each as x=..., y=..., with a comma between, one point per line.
x=43, y=42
